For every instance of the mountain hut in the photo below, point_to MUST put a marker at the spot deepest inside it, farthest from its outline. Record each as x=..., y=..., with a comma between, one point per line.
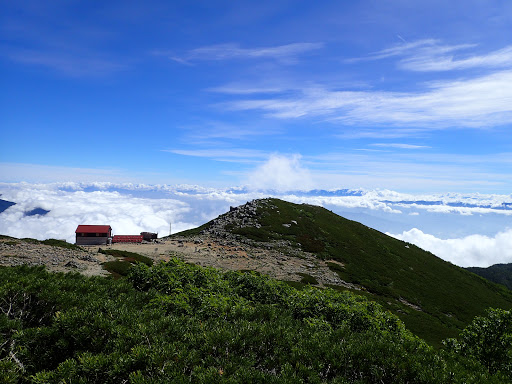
x=93, y=234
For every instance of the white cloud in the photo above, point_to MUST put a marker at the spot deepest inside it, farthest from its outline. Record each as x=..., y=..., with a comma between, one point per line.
x=469, y=251
x=433, y=55
x=226, y=154
x=380, y=134
x=132, y=208
x=70, y=65
x=437, y=60
x=399, y=145
x=365, y=201
x=126, y=214
x=284, y=53
x=281, y=173
x=471, y=100
x=400, y=49
x=215, y=130
x=47, y=173
x=477, y=102
x=247, y=89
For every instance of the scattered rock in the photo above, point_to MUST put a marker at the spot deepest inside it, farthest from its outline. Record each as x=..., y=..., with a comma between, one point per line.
x=72, y=264
x=55, y=259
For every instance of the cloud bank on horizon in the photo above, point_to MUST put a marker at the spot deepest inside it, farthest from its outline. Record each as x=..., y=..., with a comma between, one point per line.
x=131, y=209
x=469, y=251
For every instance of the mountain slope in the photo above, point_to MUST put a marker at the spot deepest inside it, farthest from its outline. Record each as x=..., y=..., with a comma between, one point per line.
x=498, y=273
x=435, y=299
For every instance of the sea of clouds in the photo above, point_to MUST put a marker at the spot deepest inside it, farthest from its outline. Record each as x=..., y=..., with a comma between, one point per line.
x=465, y=229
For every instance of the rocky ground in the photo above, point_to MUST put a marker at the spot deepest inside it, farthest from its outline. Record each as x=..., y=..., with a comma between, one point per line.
x=210, y=251
x=214, y=246
x=17, y=252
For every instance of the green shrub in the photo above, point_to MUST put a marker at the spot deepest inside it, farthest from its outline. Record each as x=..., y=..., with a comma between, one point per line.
x=30, y=240
x=335, y=267
x=128, y=256
x=61, y=244
x=174, y=322
x=307, y=279
x=488, y=339
x=118, y=267
x=310, y=244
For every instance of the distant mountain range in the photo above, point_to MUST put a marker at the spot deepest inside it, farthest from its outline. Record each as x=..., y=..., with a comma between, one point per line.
x=434, y=298
x=4, y=204
x=498, y=273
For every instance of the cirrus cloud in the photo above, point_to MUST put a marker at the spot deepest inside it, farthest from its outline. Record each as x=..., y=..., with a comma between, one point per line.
x=477, y=102
x=286, y=54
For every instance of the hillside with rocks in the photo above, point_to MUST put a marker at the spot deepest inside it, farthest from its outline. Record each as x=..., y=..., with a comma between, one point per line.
x=14, y=252
x=434, y=298
x=305, y=245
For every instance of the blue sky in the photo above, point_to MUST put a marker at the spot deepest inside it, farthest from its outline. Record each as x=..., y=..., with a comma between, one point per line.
x=407, y=95
x=139, y=114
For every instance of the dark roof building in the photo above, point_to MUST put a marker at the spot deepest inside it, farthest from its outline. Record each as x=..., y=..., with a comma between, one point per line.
x=93, y=234
x=148, y=236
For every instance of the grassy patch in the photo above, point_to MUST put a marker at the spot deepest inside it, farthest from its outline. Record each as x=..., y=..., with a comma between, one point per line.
x=122, y=266
x=51, y=242
x=389, y=268
x=307, y=279
x=335, y=267
x=62, y=244
x=252, y=233
x=31, y=241
x=295, y=284
x=117, y=267
x=310, y=244
x=127, y=256
x=250, y=271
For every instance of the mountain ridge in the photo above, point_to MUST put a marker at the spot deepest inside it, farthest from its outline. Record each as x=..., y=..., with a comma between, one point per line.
x=433, y=297
x=309, y=245
x=498, y=273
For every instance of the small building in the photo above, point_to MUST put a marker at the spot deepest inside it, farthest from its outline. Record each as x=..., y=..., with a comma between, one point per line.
x=148, y=236
x=127, y=239
x=93, y=234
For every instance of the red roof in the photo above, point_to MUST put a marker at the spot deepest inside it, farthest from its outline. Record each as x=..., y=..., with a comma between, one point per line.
x=93, y=229
x=127, y=239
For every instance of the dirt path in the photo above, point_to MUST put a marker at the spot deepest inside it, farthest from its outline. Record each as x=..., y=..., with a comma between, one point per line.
x=206, y=251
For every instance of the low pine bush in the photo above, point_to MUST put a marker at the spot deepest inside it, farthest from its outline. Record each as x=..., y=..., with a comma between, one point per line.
x=174, y=322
